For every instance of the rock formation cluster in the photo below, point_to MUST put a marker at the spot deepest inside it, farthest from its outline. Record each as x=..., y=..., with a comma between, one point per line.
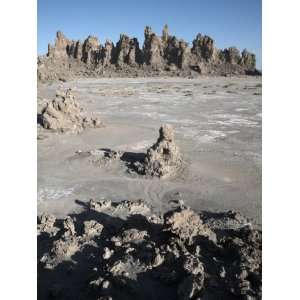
x=63, y=114
x=159, y=55
x=125, y=251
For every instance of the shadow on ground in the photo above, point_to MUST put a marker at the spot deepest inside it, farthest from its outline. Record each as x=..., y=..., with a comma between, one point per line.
x=145, y=259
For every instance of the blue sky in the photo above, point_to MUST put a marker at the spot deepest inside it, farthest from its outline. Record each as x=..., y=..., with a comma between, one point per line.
x=228, y=22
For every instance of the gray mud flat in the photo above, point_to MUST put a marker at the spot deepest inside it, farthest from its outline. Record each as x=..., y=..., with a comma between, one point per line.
x=217, y=124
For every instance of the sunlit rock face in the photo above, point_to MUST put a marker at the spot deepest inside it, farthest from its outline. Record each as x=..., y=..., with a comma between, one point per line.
x=165, y=55
x=128, y=51
x=163, y=159
x=64, y=114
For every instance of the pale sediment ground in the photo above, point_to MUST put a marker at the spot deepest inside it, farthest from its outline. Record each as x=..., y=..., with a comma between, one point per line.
x=217, y=125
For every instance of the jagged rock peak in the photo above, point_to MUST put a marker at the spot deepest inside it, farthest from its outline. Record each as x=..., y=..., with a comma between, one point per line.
x=248, y=59
x=232, y=55
x=61, y=46
x=165, y=33
x=147, y=31
x=203, y=47
x=127, y=51
x=92, y=42
x=60, y=35
x=165, y=54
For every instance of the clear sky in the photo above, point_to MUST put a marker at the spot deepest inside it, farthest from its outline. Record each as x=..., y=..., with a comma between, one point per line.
x=228, y=22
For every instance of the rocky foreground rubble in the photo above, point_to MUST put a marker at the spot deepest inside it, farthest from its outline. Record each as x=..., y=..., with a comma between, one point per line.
x=64, y=114
x=159, y=56
x=125, y=251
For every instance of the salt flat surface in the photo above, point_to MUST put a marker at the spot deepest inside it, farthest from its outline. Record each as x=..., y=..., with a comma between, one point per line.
x=218, y=129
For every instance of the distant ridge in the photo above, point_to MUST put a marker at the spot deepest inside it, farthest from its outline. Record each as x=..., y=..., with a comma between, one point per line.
x=164, y=55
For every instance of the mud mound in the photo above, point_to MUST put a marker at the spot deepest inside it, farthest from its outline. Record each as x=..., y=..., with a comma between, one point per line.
x=64, y=114
x=124, y=251
x=163, y=159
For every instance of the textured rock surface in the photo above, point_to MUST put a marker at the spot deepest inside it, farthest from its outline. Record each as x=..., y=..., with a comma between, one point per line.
x=62, y=48
x=91, y=50
x=114, y=254
x=63, y=114
x=46, y=224
x=128, y=51
x=186, y=224
x=232, y=55
x=152, y=49
x=163, y=159
x=160, y=55
x=203, y=47
x=107, y=53
x=248, y=59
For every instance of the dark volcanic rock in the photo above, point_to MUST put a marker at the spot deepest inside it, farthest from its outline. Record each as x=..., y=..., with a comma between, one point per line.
x=171, y=50
x=160, y=55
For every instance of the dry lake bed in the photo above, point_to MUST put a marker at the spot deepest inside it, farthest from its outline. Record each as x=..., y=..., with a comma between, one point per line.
x=217, y=124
